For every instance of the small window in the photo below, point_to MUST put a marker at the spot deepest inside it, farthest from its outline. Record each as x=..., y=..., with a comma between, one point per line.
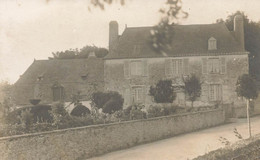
x=212, y=44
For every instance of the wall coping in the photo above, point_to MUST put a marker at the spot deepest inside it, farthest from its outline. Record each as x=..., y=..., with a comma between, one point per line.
x=41, y=134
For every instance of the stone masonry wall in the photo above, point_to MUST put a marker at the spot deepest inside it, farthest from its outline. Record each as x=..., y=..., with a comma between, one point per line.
x=236, y=65
x=85, y=142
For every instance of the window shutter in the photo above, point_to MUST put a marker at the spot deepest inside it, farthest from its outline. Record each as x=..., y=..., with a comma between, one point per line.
x=223, y=65
x=204, y=66
x=128, y=96
x=127, y=69
x=186, y=66
x=145, y=68
x=143, y=93
x=205, y=92
x=168, y=67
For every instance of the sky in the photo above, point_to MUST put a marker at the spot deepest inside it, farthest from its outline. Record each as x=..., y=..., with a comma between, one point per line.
x=33, y=29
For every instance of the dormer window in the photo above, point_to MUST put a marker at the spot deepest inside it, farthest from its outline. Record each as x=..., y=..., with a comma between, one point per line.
x=212, y=43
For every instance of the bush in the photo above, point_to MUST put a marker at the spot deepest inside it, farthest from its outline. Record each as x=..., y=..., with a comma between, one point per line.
x=41, y=113
x=113, y=105
x=108, y=101
x=137, y=112
x=59, y=114
x=163, y=92
x=164, y=110
x=80, y=110
x=26, y=118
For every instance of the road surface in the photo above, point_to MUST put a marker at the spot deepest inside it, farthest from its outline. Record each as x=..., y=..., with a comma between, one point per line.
x=186, y=146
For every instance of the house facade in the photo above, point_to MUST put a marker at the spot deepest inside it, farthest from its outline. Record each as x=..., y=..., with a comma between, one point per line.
x=210, y=51
x=59, y=80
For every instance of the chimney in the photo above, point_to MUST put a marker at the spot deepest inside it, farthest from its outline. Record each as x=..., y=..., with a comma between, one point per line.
x=239, y=30
x=113, y=34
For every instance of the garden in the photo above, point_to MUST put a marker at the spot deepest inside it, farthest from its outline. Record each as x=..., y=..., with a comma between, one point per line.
x=106, y=107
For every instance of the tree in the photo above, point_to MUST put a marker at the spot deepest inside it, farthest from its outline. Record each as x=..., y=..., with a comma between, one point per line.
x=108, y=101
x=192, y=88
x=246, y=87
x=163, y=92
x=81, y=54
x=161, y=34
x=252, y=40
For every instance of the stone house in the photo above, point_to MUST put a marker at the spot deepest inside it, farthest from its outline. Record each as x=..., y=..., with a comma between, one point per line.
x=60, y=79
x=210, y=51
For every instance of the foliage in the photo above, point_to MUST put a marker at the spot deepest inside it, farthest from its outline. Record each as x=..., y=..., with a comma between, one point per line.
x=137, y=112
x=26, y=118
x=108, y=101
x=192, y=88
x=163, y=92
x=246, y=87
x=163, y=110
x=114, y=104
x=58, y=113
x=252, y=40
x=83, y=53
x=99, y=99
x=161, y=34
x=80, y=110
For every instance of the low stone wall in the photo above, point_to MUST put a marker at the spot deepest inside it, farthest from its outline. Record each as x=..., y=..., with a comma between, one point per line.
x=232, y=111
x=244, y=150
x=85, y=142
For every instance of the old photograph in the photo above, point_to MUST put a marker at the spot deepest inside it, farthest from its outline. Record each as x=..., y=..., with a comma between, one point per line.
x=129, y=80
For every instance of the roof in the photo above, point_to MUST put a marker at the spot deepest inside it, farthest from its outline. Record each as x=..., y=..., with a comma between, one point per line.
x=188, y=40
x=61, y=70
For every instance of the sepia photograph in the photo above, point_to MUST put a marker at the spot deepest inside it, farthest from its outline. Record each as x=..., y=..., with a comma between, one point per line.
x=129, y=80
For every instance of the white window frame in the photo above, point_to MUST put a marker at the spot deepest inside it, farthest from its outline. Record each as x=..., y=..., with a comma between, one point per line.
x=138, y=93
x=215, y=92
x=213, y=66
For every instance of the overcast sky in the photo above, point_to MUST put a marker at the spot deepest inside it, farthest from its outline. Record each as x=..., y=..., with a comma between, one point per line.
x=34, y=28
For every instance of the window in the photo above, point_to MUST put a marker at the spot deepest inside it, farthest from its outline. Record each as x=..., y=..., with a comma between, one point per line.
x=136, y=68
x=58, y=92
x=213, y=65
x=212, y=44
x=215, y=92
x=138, y=94
x=176, y=67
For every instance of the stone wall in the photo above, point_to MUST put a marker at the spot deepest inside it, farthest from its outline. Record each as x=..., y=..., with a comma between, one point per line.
x=235, y=65
x=84, y=142
x=244, y=150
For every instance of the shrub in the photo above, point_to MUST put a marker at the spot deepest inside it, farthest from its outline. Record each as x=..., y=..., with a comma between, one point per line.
x=164, y=110
x=163, y=92
x=80, y=110
x=108, y=101
x=137, y=112
x=26, y=118
x=41, y=113
x=113, y=105
x=99, y=99
x=192, y=88
x=59, y=114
